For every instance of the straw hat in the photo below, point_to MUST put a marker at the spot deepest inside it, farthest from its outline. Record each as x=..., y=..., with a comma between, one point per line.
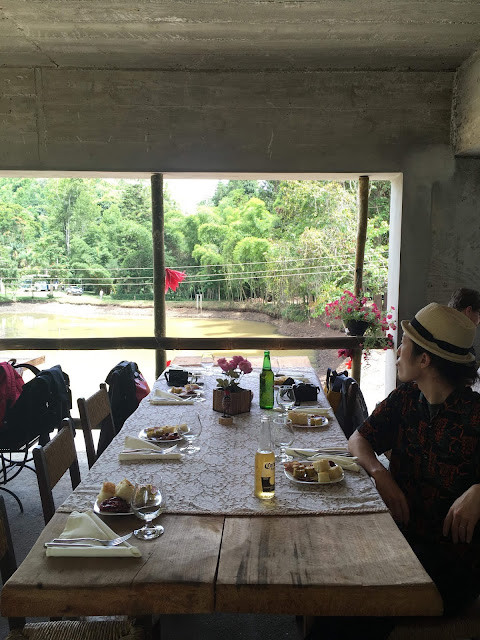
x=443, y=331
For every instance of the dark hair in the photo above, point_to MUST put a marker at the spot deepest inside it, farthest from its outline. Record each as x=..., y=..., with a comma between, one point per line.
x=463, y=298
x=457, y=374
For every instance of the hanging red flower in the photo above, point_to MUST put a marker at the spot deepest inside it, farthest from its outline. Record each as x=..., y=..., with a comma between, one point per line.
x=173, y=279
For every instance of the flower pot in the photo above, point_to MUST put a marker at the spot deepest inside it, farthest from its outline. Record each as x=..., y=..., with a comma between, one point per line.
x=240, y=401
x=356, y=327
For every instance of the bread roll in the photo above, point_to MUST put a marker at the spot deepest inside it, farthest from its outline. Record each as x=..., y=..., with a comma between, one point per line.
x=124, y=489
x=107, y=491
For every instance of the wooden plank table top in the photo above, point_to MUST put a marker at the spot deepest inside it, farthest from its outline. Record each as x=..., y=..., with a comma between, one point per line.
x=176, y=574
x=356, y=564
x=345, y=565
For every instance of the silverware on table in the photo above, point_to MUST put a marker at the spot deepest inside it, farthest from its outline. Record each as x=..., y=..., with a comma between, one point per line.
x=87, y=542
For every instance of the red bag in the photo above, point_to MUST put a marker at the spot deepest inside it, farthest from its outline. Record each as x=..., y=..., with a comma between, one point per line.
x=141, y=387
x=11, y=385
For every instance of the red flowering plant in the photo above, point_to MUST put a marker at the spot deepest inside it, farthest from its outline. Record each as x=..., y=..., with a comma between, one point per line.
x=380, y=323
x=233, y=370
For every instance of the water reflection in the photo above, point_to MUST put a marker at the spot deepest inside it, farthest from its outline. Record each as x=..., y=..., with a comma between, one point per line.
x=88, y=368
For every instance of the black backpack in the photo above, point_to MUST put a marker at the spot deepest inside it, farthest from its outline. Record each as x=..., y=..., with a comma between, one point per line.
x=44, y=402
x=126, y=387
x=347, y=401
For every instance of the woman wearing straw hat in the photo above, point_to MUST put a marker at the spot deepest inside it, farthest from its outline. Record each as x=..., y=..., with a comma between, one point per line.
x=432, y=425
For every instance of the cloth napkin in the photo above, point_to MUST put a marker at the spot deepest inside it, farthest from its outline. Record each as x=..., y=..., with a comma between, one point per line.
x=344, y=461
x=162, y=397
x=137, y=443
x=89, y=525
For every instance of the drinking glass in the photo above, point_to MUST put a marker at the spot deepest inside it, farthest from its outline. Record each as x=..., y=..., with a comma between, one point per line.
x=282, y=436
x=207, y=363
x=286, y=397
x=148, y=502
x=194, y=431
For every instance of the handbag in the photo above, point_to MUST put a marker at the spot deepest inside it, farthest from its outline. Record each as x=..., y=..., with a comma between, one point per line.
x=333, y=387
x=305, y=393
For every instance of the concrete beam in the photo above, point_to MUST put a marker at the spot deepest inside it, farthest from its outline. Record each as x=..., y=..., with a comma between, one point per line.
x=149, y=121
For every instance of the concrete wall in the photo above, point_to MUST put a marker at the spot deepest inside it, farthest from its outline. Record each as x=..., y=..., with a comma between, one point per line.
x=466, y=111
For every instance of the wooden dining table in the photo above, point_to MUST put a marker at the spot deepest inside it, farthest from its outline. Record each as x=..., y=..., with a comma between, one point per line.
x=311, y=552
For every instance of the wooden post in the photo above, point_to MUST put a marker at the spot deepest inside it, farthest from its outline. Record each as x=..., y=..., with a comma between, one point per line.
x=363, y=186
x=160, y=318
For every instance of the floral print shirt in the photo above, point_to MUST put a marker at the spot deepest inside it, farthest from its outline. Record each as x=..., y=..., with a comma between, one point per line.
x=434, y=459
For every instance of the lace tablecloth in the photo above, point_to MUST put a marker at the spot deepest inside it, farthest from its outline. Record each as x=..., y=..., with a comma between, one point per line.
x=219, y=479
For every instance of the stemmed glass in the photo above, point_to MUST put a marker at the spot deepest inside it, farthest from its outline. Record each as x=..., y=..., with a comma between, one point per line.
x=148, y=502
x=194, y=431
x=207, y=363
x=282, y=436
x=286, y=397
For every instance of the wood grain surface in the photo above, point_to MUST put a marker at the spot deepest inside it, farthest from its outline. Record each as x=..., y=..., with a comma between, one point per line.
x=330, y=565
x=176, y=574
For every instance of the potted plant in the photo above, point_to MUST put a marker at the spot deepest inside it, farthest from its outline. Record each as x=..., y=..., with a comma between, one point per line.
x=240, y=400
x=361, y=318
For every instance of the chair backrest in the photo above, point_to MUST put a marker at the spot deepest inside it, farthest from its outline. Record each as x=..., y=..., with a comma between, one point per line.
x=96, y=413
x=52, y=461
x=8, y=564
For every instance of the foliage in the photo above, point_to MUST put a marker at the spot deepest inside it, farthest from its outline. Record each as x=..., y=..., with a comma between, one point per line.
x=288, y=243
x=233, y=370
x=348, y=307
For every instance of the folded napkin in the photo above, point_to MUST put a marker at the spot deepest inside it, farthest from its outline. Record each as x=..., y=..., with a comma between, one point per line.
x=137, y=443
x=163, y=397
x=344, y=461
x=89, y=525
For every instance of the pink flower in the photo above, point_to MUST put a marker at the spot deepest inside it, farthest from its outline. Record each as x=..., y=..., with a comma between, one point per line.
x=245, y=366
x=223, y=364
x=389, y=316
x=236, y=360
x=327, y=325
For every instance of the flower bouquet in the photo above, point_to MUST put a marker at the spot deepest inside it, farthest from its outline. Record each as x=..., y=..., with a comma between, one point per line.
x=361, y=318
x=229, y=397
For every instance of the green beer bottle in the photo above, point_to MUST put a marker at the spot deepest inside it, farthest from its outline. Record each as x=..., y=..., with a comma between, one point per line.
x=266, y=383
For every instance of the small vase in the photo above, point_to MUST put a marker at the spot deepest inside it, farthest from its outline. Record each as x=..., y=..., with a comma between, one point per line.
x=240, y=401
x=356, y=327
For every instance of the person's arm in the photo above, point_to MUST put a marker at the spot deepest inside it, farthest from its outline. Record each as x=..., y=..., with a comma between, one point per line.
x=463, y=515
x=391, y=493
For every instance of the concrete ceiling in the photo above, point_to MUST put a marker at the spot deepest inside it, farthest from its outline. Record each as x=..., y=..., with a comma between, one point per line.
x=239, y=34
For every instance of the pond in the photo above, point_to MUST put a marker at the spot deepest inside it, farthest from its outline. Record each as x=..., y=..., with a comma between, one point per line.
x=88, y=368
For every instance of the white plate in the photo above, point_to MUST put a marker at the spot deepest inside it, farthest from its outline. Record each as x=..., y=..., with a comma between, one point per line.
x=292, y=479
x=96, y=508
x=186, y=395
x=315, y=426
x=157, y=441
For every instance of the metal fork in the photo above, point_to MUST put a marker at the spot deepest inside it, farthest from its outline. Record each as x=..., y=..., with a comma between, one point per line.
x=87, y=542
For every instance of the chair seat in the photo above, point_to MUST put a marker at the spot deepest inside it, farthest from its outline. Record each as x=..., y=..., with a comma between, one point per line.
x=465, y=625
x=77, y=630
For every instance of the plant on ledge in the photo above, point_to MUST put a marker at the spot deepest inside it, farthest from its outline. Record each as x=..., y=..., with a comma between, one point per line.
x=361, y=318
x=233, y=370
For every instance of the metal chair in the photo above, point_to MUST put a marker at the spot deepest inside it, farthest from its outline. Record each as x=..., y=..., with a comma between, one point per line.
x=52, y=461
x=96, y=413
x=62, y=629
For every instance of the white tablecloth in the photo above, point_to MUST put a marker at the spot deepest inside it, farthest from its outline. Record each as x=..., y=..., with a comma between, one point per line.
x=219, y=479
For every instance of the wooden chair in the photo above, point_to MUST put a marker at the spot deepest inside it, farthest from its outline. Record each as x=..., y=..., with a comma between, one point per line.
x=52, y=461
x=62, y=629
x=96, y=413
